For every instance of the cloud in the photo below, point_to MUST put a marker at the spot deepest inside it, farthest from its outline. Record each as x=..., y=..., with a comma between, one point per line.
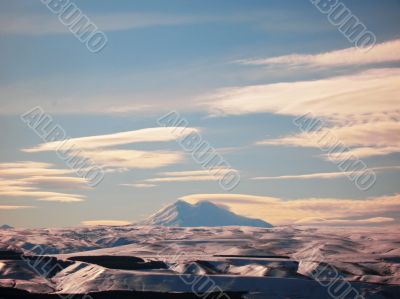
x=364, y=152
x=20, y=172
x=28, y=179
x=6, y=207
x=215, y=174
x=380, y=134
x=280, y=211
x=381, y=53
x=359, y=110
x=94, y=98
x=345, y=222
x=129, y=159
x=195, y=178
x=106, y=222
x=25, y=165
x=58, y=182
x=41, y=195
x=161, y=134
x=363, y=140
x=195, y=172
x=373, y=91
x=43, y=24
x=139, y=185
x=323, y=175
x=102, y=151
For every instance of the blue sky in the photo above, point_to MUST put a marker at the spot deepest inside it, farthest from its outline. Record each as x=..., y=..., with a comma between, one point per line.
x=221, y=64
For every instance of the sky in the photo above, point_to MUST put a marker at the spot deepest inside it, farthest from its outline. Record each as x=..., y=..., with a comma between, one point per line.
x=243, y=75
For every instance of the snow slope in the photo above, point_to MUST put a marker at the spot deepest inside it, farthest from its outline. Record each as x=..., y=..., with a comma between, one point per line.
x=203, y=213
x=278, y=262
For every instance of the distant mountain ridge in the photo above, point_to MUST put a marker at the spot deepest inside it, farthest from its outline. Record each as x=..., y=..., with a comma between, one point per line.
x=6, y=226
x=203, y=213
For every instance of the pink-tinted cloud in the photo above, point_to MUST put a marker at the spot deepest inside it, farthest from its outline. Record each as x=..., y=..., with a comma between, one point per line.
x=31, y=179
x=381, y=53
x=281, y=211
x=8, y=207
x=106, y=222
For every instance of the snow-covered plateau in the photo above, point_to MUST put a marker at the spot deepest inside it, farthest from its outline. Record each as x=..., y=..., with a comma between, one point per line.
x=200, y=262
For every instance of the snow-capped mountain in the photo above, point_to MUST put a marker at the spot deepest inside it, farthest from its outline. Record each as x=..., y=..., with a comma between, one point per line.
x=203, y=213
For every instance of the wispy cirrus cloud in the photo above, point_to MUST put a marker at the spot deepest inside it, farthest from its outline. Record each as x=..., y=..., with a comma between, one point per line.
x=139, y=185
x=364, y=139
x=58, y=182
x=214, y=174
x=360, y=109
x=133, y=159
x=346, y=222
x=281, y=211
x=24, y=169
x=381, y=53
x=23, y=23
x=28, y=179
x=193, y=178
x=42, y=195
x=8, y=207
x=369, y=92
x=102, y=149
x=321, y=175
x=44, y=24
x=39, y=173
x=161, y=134
x=25, y=165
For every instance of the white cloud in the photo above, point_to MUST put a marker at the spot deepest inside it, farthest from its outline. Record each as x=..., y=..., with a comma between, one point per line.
x=7, y=207
x=25, y=165
x=364, y=152
x=381, y=53
x=194, y=178
x=161, y=134
x=194, y=172
x=360, y=110
x=34, y=171
x=280, y=211
x=345, y=222
x=41, y=195
x=29, y=179
x=362, y=140
x=139, y=185
x=102, y=149
x=372, y=91
x=214, y=174
x=130, y=159
x=44, y=24
x=106, y=222
x=58, y=182
x=322, y=175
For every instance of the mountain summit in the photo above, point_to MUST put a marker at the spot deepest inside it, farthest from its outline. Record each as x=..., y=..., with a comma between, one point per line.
x=6, y=226
x=203, y=213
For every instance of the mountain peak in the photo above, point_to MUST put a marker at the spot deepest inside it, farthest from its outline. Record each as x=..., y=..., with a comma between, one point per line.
x=181, y=203
x=6, y=226
x=203, y=213
x=204, y=203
